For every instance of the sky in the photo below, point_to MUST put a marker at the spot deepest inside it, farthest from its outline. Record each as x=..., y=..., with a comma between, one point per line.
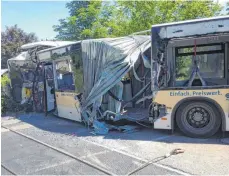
x=37, y=16
x=34, y=16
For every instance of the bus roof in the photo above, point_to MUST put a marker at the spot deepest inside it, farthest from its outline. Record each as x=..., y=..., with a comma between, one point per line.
x=192, y=27
x=192, y=21
x=46, y=43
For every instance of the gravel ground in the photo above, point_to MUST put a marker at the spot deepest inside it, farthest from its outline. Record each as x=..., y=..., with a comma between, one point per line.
x=120, y=153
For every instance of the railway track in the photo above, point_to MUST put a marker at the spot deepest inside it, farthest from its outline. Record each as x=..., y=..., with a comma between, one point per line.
x=7, y=169
x=59, y=151
x=146, y=162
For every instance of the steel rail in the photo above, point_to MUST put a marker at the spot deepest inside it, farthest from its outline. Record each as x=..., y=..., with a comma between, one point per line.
x=61, y=151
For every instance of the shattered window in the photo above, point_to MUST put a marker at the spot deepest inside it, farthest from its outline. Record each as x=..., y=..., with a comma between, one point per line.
x=69, y=68
x=210, y=60
x=64, y=75
x=77, y=68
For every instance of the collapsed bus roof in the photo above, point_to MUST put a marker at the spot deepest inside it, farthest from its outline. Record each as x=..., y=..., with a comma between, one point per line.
x=46, y=43
x=190, y=28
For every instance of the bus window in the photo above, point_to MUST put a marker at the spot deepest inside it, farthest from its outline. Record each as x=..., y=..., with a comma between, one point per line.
x=64, y=76
x=210, y=60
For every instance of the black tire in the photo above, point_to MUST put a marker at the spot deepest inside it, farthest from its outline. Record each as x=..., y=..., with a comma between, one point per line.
x=198, y=119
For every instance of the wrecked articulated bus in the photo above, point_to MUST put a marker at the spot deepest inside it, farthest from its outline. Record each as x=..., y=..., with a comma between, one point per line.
x=182, y=80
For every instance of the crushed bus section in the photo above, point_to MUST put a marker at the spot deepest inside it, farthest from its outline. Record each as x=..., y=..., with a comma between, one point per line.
x=178, y=75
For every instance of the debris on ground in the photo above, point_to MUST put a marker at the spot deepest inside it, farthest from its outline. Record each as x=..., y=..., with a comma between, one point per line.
x=103, y=128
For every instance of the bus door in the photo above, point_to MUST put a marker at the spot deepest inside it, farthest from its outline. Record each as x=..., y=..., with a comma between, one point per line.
x=49, y=88
x=68, y=105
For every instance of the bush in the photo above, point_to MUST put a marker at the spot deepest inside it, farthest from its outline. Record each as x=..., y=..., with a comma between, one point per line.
x=5, y=81
x=8, y=103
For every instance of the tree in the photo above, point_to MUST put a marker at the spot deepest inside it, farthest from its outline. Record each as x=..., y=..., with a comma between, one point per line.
x=69, y=28
x=12, y=39
x=82, y=16
x=97, y=19
x=142, y=15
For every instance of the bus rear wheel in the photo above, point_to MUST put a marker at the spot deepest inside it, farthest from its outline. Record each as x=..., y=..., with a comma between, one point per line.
x=198, y=119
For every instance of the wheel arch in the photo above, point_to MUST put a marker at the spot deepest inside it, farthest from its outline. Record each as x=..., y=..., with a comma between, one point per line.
x=206, y=99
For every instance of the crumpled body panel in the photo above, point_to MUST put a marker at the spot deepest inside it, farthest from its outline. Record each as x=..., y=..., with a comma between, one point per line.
x=106, y=62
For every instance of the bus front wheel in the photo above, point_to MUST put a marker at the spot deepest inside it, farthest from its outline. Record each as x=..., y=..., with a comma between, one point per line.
x=198, y=119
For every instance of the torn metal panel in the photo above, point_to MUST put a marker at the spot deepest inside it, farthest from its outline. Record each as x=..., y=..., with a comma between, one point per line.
x=105, y=63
